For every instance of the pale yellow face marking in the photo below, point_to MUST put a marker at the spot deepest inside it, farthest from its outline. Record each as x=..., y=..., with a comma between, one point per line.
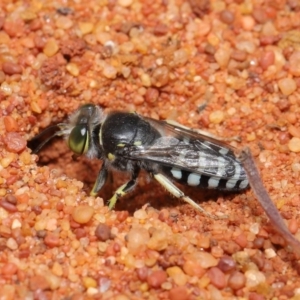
x=111, y=157
x=137, y=143
x=121, y=145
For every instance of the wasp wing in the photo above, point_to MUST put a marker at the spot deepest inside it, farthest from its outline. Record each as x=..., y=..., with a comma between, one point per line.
x=186, y=149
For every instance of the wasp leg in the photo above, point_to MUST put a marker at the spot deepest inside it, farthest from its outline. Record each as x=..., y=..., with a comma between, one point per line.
x=124, y=189
x=101, y=179
x=176, y=192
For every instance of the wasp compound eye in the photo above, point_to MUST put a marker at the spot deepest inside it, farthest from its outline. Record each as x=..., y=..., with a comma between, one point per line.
x=78, y=139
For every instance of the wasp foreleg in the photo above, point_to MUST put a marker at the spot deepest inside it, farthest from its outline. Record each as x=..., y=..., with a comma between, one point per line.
x=124, y=189
x=176, y=192
x=101, y=179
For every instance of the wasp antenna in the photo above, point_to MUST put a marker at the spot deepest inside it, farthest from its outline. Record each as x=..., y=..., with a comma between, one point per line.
x=46, y=135
x=264, y=198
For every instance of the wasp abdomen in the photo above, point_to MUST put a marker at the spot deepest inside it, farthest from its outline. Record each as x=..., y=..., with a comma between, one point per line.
x=235, y=183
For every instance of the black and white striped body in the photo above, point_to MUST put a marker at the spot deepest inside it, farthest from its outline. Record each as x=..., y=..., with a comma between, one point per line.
x=190, y=158
x=208, y=167
x=204, y=181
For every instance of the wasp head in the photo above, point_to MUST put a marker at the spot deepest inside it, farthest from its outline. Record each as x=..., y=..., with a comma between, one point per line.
x=79, y=131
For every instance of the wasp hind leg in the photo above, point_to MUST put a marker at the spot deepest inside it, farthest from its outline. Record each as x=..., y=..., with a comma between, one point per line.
x=176, y=192
x=124, y=189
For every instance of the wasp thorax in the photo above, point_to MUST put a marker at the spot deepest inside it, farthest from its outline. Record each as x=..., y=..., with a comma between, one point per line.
x=78, y=140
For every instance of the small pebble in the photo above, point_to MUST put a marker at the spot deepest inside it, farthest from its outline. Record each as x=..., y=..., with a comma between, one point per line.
x=177, y=275
x=38, y=282
x=125, y=3
x=259, y=15
x=14, y=142
x=35, y=107
x=12, y=244
x=270, y=253
x=6, y=205
x=217, y=277
x=156, y=278
x=122, y=215
x=203, y=242
x=85, y=27
x=53, y=280
x=16, y=224
x=151, y=95
x=294, y=131
x=158, y=240
x=137, y=239
x=146, y=80
x=222, y=57
x=140, y=214
x=109, y=71
x=287, y=86
x=121, y=297
x=6, y=89
x=180, y=57
x=256, y=296
x=239, y=55
x=103, y=232
x=294, y=144
x=142, y=273
x=179, y=293
x=51, y=47
x=10, y=124
x=11, y=198
x=160, y=76
x=64, y=22
x=254, y=278
x=248, y=23
x=236, y=280
x=82, y=214
x=28, y=15
x=193, y=268
x=5, y=231
x=267, y=59
x=258, y=242
x=241, y=240
x=73, y=69
x=226, y=264
x=205, y=259
x=8, y=269
x=254, y=228
x=160, y=29
x=51, y=224
x=51, y=240
x=227, y=16
x=217, y=251
x=57, y=269
x=293, y=226
x=216, y=117
x=89, y=282
x=294, y=63
x=11, y=68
